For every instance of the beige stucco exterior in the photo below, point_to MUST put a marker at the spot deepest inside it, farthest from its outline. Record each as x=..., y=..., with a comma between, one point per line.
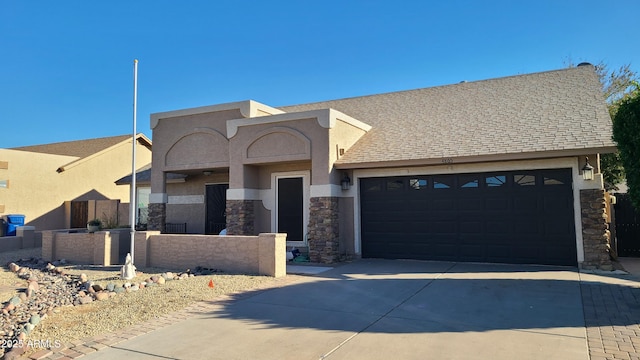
x=40, y=184
x=469, y=128
x=249, y=154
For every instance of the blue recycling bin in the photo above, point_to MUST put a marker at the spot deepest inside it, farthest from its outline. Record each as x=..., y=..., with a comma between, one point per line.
x=13, y=221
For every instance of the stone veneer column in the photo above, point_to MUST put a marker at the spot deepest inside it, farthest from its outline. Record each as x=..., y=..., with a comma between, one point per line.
x=240, y=217
x=157, y=216
x=595, y=233
x=324, y=230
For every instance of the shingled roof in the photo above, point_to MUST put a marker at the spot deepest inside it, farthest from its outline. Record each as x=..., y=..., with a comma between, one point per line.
x=80, y=148
x=555, y=112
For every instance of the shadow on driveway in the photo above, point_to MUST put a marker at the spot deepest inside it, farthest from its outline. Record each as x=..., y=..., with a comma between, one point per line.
x=393, y=296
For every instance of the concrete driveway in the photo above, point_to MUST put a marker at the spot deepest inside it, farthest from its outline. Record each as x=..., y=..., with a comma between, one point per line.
x=383, y=309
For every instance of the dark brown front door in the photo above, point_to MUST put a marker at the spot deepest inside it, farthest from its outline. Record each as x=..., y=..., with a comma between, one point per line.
x=79, y=214
x=290, y=208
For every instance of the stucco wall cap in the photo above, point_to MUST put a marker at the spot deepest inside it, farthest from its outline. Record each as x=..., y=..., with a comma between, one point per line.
x=326, y=118
x=248, y=109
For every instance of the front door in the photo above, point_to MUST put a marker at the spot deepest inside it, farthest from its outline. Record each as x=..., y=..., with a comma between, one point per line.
x=290, y=208
x=216, y=201
x=79, y=214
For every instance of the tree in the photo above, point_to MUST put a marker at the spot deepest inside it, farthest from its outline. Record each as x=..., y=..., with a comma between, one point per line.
x=617, y=85
x=626, y=133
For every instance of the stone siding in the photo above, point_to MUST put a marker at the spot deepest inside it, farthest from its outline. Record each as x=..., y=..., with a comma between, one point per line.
x=157, y=216
x=324, y=230
x=240, y=217
x=595, y=232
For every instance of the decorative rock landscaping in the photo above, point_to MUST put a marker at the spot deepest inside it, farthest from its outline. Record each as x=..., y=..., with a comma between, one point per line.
x=49, y=288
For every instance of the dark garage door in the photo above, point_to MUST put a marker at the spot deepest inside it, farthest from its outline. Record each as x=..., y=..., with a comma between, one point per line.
x=507, y=217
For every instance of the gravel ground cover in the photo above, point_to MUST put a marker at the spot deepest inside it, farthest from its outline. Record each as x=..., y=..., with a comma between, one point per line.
x=69, y=323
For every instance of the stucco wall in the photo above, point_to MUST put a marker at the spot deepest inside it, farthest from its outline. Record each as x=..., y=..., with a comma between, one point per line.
x=99, y=248
x=264, y=254
x=25, y=239
x=170, y=150
x=342, y=136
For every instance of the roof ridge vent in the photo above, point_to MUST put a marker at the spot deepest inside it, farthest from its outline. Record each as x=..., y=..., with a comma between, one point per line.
x=585, y=64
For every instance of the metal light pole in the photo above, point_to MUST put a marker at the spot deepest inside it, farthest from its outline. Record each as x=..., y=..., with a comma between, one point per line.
x=133, y=206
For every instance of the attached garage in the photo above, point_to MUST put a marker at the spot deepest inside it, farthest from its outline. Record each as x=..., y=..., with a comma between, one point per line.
x=505, y=217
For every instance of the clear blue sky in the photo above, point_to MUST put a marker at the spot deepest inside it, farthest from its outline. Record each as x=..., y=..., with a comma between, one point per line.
x=66, y=67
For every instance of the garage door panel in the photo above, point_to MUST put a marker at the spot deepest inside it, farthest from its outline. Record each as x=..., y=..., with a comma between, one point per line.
x=471, y=227
x=443, y=227
x=498, y=253
x=525, y=204
x=558, y=227
x=511, y=217
x=497, y=227
x=471, y=204
x=499, y=204
x=443, y=204
x=552, y=203
x=557, y=254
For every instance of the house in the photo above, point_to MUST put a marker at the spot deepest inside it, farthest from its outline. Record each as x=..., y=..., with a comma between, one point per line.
x=62, y=185
x=488, y=171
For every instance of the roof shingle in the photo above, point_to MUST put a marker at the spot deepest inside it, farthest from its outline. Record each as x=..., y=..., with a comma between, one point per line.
x=80, y=148
x=554, y=110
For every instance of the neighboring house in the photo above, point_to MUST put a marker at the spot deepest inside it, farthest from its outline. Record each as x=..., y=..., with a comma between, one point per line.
x=487, y=171
x=64, y=184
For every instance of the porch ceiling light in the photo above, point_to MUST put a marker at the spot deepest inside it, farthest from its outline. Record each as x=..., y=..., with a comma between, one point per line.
x=207, y=172
x=587, y=170
x=346, y=182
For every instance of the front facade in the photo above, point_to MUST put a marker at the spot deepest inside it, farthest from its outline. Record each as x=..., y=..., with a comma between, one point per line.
x=53, y=184
x=484, y=171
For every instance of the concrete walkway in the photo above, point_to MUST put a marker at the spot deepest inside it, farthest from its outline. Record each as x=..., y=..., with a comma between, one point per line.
x=380, y=309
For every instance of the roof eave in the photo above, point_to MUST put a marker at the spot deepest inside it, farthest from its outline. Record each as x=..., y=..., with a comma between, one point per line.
x=141, y=138
x=474, y=159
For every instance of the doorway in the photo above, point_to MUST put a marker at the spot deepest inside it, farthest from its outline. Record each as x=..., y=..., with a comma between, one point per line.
x=216, y=207
x=290, y=207
x=79, y=214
